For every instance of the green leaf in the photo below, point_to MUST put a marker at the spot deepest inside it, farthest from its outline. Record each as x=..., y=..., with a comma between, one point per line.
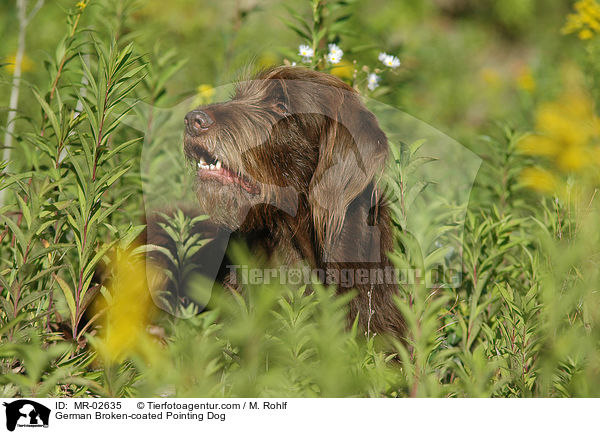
x=49, y=113
x=68, y=293
x=22, y=240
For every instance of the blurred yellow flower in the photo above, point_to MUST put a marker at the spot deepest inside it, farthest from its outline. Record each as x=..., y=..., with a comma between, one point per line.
x=585, y=34
x=128, y=312
x=27, y=64
x=491, y=77
x=343, y=70
x=567, y=132
x=205, y=94
x=81, y=5
x=596, y=156
x=525, y=80
x=585, y=21
x=539, y=179
x=207, y=90
x=267, y=60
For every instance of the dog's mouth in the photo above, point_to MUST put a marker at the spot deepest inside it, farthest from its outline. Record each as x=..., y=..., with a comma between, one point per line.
x=210, y=167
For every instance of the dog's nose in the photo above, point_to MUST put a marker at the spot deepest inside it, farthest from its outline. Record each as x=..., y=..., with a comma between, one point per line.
x=197, y=121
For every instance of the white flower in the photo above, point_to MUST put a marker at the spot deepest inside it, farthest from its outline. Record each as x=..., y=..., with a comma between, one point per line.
x=392, y=62
x=334, y=57
x=334, y=49
x=389, y=60
x=335, y=54
x=373, y=81
x=306, y=52
x=293, y=63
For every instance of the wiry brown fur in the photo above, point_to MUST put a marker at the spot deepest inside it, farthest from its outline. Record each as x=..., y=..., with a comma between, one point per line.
x=313, y=154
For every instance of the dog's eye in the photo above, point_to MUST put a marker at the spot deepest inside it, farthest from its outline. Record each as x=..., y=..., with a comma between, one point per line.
x=281, y=108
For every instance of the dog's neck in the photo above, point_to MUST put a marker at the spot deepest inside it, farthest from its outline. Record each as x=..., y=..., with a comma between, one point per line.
x=362, y=244
x=291, y=240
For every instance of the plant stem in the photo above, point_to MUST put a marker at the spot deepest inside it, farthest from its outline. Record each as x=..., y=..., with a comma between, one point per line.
x=24, y=20
x=14, y=93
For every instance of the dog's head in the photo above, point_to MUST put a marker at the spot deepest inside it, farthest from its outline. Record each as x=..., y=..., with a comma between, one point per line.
x=290, y=133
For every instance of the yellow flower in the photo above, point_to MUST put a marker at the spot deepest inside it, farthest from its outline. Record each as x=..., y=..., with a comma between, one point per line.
x=539, y=179
x=526, y=81
x=343, y=70
x=596, y=156
x=205, y=95
x=128, y=312
x=585, y=21
x=539, y=145
x=573, y=158
x=567, y=129
x=267, y=60
x=561, y=124
x=491, y=77
x=27, y=64
x=568, y=138
x=81, y=5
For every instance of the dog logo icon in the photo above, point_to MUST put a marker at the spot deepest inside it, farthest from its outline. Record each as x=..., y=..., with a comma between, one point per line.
x=26, y=413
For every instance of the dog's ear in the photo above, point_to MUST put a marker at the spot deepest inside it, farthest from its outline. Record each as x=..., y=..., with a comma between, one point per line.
x=351, y=159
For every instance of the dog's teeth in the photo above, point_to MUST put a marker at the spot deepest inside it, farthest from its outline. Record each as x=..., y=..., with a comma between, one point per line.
x=218, y=165
x=202, y=161
x=211, y=167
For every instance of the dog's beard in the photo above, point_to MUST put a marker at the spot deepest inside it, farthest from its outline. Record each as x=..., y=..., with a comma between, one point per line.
x=226, y=205
x=271, y=172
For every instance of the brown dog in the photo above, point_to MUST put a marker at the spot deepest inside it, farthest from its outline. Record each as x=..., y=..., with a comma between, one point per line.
x=291, y=165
